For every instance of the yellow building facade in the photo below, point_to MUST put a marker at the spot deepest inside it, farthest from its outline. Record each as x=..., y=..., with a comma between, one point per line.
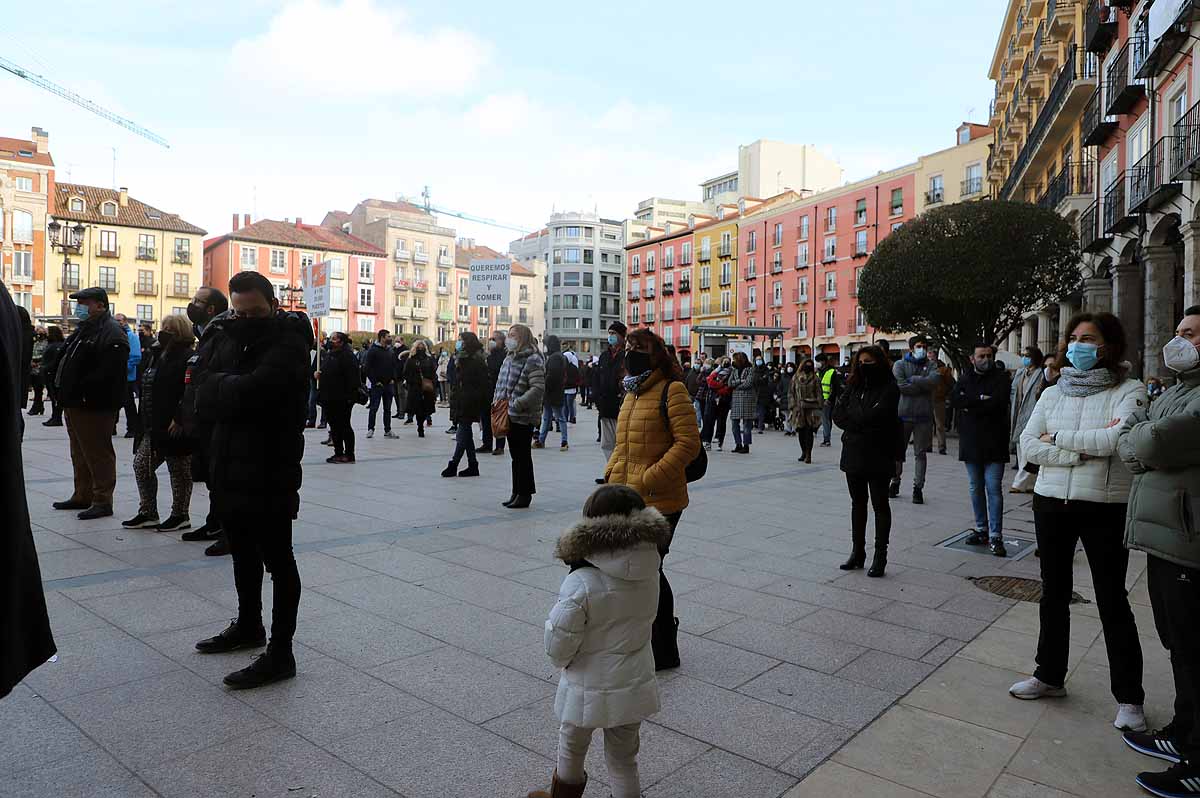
x=955, y=174
x=149, y=261
x=715, y=245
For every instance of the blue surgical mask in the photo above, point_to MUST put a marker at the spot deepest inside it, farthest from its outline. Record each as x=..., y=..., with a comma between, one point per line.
x=758, y=361
x=919, y=353
x=82, y=312
x=1027, y=361
x=458, y=346
x=510, y=344
x=612, y=339
x=1082, y=356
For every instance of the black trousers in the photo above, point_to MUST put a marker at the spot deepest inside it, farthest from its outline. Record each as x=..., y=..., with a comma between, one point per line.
x=520, y=440
x=861, y=488
x=714, y=421
x=1101, y=528
x=664, y=636
x=806, y=437
x=257, y=542
x=1175, y=598
x=133, y=423
x=338, y=416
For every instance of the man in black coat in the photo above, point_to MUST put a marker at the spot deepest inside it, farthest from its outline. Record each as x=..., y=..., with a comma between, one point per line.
x=208, y=305
x=253, y=392
x=552, y=404
x=495, y=359
x=379, y=368
x=608, y=388
x=981, y=397
x=25, y=639
x=91, y=386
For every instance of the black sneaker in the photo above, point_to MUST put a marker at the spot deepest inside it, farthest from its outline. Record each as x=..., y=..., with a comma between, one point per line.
x=141, y=521
x=203, y=532
x=219, y=548
x=918, y=496
x=96, y=511
x=977, y=538
x=894, y=489
x=1160, y=744
x=997, y=548
x=232, y=638
x=1180, y=781
x=270, y=666
x=175, y=523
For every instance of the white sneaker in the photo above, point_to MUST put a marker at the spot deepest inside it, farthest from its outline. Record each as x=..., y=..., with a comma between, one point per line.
x=1034, y=688
x=370, y=433
x=1130, y=717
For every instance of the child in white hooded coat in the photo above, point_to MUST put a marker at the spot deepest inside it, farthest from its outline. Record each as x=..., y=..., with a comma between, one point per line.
x=599, y=634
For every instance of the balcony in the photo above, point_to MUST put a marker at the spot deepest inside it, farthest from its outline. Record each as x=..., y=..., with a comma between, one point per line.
x=668, y=289
x=725, y=251
x=420, y=285
x=934, y=196
x=777, y=302
x=1094, y=126
x=685, y=312
x=801, y=263
x=444, y=290
x=1176, y=34
x=859, y=252
x=830, y=331
x=108, y=252
x=401, y=312
x=650, y=266
x=634, y=296
x=445, y=316
x=147, y=253
x=420, y=313
x=649, y=315
x=649, y=293
x=401, y=284
x=1117, y=218
x=799, y=297
x=685, y=287
x=183, y=256
x=445, y=261
x=179, y=293
x=1186, y=158
x=1151, y=180
x=1123, y=92
x=971, y=187
x=777, y=266
x=1024, y=29
x=749, y=273
x=464, y=317
x=144, y=289
x=1099, y=26
x=705, y=255
x=1091, y=239
x=668, y=313
x=1074, y=84
x=402, y=255
x=1075, y=181
x=68, y=283
x=420, y=257
x=830, y=293
x=830, y=257
x=111, y=286
x=1060, y=19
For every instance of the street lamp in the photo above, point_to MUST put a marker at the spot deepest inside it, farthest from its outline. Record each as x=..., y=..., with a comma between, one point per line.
x=68, y=240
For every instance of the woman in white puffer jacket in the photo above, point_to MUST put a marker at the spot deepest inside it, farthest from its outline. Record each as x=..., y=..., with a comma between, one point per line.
x=599, y=634
x=1081, y=494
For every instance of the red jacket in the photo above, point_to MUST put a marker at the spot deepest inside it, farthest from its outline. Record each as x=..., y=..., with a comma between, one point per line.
x=721, y=386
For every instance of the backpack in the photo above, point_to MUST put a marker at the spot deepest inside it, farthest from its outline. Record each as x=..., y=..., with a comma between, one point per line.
x=571, y=378
x=696, y=469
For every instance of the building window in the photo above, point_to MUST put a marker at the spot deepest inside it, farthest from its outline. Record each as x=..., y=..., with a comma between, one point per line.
x=108, y=278
x=804, y=228
x=23, y=265
x=108, y=209
x=636, y=264
x=830, y=248
x=668, y=336
x=751, y=241
x=752, y=298
x=830, y=219
x=337, y=297
x=897, y=202
x=860, y=320
x=145, y=281
x=278, y=261
x=108, y=244
x=24, y=184
x=777, y=294
x=366, y=323
x=802, y=324
x=181, y=284
x=726, y=272
x=860, y=212
x=705, y=304
x=76, y=205
x=249, y=258
x=22, y=227
x=726, y=301
x=146, y=248
x=443, y=280
x=669, y=258
x=183, y=250
x=936, y=190
x=366, y=297
x=802, y=289
x=145, y=312
x=572, y=255
x=830, y=322
x=801, y=255
x=896, y=226
x=830, y=284
x=778, y=234
x=860, y=242
x=366, y=271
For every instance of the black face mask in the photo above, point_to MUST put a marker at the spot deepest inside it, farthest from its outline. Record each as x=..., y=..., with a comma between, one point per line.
x=637, y=362
x=198, y=314
x=165, y=338
x=246, y=329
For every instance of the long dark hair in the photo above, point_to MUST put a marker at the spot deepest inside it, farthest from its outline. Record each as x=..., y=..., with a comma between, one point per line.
x=1115, y=342
x=54, y=334
x=660, y=359
x=471, y=343
x=857, y=377
x=745, y=360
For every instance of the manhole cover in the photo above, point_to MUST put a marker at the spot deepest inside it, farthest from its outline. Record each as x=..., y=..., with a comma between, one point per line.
x=1015, y=587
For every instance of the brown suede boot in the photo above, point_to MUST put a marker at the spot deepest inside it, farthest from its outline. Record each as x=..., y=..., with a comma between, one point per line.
x=560, y=789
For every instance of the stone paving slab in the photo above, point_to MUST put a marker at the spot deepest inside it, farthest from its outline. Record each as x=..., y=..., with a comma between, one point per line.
x=419, y=647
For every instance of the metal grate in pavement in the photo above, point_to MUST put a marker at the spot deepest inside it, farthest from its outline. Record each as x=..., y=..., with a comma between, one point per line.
x=1016, y=587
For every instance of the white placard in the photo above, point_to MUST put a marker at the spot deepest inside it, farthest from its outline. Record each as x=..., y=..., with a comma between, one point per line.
x=316, y=289
x=745, y=347
x=490, y=282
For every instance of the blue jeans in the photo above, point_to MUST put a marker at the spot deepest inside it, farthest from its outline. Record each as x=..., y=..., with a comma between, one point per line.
x=551, y=412
x=568, y=407
x=699, y=412
x=743, y=431
x=987, y=497
x=464, y=443
x=379, y=391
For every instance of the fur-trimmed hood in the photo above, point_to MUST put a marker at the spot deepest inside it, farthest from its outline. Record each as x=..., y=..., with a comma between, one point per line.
x=617, y=544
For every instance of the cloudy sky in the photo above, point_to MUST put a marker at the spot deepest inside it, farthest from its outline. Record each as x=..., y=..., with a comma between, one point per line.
x=286, y=108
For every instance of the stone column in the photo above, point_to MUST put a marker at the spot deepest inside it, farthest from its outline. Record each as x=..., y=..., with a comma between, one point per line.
x=1159, y=322
x=1045, y=337
x=1098, y=294
x=1191, y=263
x=1127, y=305
x=1014, y=342
x=1029, y=332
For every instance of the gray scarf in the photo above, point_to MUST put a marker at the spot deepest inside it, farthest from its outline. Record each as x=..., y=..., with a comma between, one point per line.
x=1073, y=382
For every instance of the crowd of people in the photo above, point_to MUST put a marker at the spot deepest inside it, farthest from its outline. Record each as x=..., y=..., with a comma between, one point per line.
x=225, y=395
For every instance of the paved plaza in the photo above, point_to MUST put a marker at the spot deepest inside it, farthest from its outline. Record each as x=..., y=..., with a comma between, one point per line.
x=421, y=669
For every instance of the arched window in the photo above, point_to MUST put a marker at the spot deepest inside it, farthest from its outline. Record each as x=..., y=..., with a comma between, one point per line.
x=77, y=205
x=109, y=209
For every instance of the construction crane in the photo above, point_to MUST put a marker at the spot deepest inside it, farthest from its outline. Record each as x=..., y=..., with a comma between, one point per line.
x=82, y=102
x=460, y=215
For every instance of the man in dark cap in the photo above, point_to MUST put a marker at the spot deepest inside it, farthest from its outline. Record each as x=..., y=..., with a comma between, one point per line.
x=607, y=388
x=90, y=382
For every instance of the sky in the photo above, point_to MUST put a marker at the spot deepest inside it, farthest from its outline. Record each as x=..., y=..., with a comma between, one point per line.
x=507, y=111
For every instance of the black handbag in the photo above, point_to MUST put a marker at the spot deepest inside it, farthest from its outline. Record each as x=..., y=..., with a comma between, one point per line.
x=699, y=466
x=363, y=396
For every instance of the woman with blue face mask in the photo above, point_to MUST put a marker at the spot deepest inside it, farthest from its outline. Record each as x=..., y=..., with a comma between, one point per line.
x=1081, y=495
x=1027, y=385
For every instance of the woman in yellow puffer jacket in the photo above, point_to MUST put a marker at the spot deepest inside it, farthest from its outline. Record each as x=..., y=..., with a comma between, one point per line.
x=652, y=453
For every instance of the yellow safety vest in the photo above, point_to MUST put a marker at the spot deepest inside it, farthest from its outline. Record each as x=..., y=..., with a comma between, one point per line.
x=827, y=384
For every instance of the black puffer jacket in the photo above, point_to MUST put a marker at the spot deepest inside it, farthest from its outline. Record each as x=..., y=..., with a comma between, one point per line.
x=495, y=360
x=379, y=365
x=871, y=442
x=982, y=422
x=608, y=391
x=556, y=367
x=162, y=398
x=91, y=369
x=339, y=378
x=472, y=395
x=254, y=394
x=420, y=366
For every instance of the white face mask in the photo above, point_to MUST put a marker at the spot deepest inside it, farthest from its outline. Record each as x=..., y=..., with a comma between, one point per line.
x=1180, y=354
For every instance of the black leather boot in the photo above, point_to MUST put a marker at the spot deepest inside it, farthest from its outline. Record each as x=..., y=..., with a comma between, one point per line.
x=879, y=562
x=858, y=551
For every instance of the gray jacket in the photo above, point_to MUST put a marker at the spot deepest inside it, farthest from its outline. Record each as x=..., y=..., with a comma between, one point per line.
x=1161, y=446
x=1021, y=399
x=522, y=382
x=917, y=380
